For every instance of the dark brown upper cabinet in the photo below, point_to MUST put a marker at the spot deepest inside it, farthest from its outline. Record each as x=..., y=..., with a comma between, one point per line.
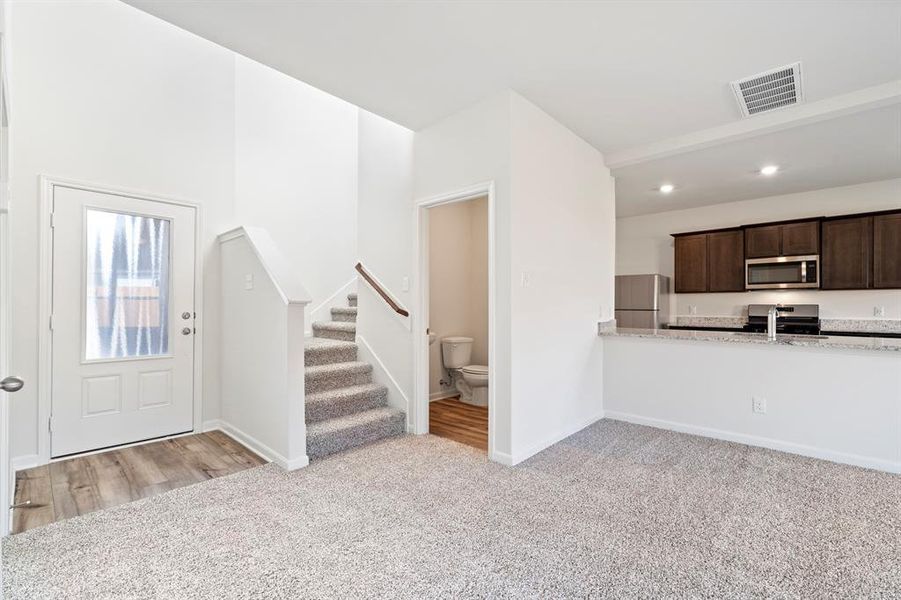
x=887, y=251
x=710, y=262
x=691, y=263
x=846, y=262
x=801, y=238
x=787, y=239
x=763, y=241
x=726, y=261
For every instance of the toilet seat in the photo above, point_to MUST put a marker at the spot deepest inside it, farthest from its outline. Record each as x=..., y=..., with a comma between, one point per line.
x=475, y=369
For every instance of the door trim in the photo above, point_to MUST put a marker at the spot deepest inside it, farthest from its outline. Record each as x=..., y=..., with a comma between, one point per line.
x=420, y=403
x=45, y=340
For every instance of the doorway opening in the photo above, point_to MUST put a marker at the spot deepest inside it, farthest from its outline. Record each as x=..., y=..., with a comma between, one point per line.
x=455, y=386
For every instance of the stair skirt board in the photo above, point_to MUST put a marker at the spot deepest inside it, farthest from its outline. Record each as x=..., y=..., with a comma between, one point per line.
x=344, y=408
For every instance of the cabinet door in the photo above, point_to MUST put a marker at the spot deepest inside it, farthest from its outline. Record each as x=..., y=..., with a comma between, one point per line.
x=847, y=253
x=763, y=241
x=887, y=251
x=799, y=239
x=726, y=260
x=691, y=263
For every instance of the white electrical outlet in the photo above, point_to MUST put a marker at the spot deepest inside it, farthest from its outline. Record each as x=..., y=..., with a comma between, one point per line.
x=878, y=311
x=248, y=281
x=692, y=309
x=758, y=405
x=525, y=279
x=405, y=284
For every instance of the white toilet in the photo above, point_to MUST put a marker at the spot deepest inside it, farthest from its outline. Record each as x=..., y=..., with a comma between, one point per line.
x=470, y=380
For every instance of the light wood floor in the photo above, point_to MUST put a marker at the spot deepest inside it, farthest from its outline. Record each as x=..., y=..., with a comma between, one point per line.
x=464, y=423
x=84, y=484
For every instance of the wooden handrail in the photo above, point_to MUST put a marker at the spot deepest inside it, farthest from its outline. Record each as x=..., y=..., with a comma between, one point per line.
x=394, y=305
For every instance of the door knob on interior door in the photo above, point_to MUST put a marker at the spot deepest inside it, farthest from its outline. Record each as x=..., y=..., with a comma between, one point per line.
x=186, y=331
x=11, y=384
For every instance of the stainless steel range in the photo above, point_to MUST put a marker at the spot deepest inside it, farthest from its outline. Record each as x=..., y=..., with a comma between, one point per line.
x=801, y=319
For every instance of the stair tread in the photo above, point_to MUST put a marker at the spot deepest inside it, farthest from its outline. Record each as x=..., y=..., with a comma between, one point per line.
x=336, y=325
x=317, y=343
x=360, y=419
x=351, y=390
x=347, y=310
x=319, y=370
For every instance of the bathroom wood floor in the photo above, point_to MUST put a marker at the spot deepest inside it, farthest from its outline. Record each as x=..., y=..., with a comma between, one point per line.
x=83, y=484
x=464, y=423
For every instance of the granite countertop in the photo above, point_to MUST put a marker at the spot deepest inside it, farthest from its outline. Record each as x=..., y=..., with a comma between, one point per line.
x=740, y=337
x=838, y=325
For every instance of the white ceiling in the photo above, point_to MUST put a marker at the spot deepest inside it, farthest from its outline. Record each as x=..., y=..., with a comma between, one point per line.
x=619, y=74
x=629, y=77
x=864, y=146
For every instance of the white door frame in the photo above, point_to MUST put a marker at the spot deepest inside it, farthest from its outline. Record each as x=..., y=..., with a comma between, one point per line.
x=420, y=404
x=45, y=340
x=7, y=475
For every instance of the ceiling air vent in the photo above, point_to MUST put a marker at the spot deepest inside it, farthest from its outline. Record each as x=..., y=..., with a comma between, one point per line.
x=776, y=88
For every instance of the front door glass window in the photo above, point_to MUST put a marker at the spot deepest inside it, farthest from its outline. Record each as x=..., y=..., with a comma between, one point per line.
x=127, y=285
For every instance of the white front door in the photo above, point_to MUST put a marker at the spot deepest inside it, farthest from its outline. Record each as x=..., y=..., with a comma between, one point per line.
x=123, y=320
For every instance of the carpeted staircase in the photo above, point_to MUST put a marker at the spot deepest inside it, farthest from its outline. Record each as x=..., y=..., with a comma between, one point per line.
x=344, y=408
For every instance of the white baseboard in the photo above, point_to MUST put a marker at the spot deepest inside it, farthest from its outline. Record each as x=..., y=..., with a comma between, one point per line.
x=323, y=311
x=443, y=394
x=763, y=442
x=380, y=374
x=502, y=458
x=27, y=461
x=257, y=447
x=534, y=449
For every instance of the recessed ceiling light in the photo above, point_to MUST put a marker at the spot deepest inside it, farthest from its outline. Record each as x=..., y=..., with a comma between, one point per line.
x=769, y=170
x=666, y=188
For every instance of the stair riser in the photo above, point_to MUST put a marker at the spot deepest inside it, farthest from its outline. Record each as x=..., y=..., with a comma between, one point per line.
x=329, y=356
x=344, y=406
x=350, y=438
x=346, y=336
x=344, y=317
x=337, y=380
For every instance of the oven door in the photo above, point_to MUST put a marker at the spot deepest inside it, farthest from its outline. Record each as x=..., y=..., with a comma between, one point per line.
x=783, y=272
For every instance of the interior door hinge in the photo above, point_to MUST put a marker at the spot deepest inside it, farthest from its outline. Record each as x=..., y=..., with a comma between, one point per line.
x=52, y=220
x=51, y=322
x=50, y=424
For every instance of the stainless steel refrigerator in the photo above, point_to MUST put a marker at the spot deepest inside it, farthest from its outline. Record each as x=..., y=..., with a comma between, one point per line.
x=642, y=301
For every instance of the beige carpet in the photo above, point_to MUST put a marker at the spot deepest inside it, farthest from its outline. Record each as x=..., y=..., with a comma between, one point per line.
x=616, y=511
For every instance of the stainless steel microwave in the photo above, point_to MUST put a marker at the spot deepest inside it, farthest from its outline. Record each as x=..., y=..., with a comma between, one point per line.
x=782, y=272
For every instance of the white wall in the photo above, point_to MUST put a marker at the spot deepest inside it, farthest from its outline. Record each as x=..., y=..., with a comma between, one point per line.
x=458, y=283
x=108, y=94
x=385, y=247
x=845, y=406
x=644, y=245
x=563, y=244
x=296, y=173
x=554, y=223
x=262, y=351
x=105, y=93
x=461, y=151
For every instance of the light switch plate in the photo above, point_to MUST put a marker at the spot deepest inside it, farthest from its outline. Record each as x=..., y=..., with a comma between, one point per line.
x=248, y=281
x=405, y=284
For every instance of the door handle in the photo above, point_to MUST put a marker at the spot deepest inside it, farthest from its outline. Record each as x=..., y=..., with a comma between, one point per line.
x=11, y=384
x=186, y=331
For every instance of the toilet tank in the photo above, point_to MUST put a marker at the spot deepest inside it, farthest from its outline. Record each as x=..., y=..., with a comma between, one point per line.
x=456, y=352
